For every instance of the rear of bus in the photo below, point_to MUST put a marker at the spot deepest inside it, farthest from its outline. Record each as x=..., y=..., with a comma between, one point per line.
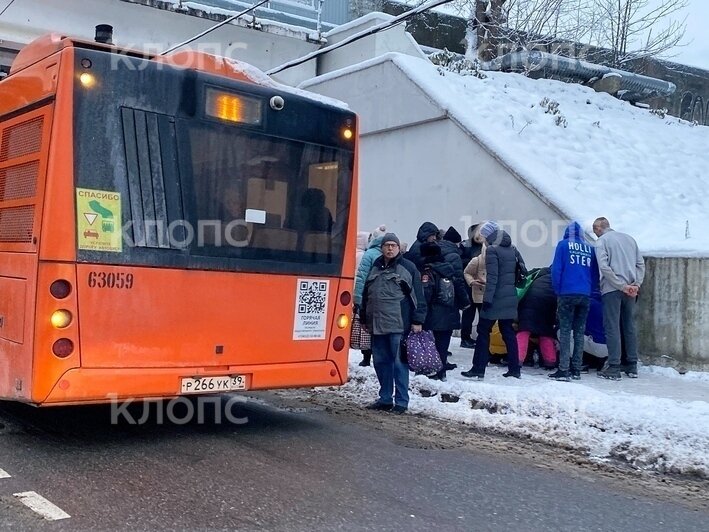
x=196, y=233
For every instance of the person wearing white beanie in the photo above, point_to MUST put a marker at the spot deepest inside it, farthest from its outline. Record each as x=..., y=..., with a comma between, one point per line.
x=378, y=232
x=488, y=228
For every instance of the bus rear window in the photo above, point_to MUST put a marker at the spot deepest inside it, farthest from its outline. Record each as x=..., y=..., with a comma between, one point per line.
x=259, y=197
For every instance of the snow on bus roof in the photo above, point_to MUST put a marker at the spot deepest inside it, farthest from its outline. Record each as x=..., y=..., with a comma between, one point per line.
x=259, y=76
x=647, y=174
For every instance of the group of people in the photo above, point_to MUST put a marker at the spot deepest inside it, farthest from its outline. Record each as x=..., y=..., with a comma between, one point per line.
x=443, y=282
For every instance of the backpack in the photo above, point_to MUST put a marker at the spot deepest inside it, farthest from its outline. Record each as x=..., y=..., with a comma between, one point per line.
x=445, y=292
x=443, y=288
x=422, y=354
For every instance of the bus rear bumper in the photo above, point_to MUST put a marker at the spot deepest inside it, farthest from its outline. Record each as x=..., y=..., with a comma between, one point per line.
x=105, y=385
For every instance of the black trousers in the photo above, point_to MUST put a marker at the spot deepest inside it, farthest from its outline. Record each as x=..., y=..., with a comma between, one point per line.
x=481, y=356
x=443, y=342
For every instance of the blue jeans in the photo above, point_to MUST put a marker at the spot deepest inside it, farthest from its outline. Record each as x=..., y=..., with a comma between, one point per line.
x=390, y=370
x=572, y=312
x=619, y=315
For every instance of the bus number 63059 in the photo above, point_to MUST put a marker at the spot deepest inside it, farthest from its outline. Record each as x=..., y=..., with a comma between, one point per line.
x=110, y=280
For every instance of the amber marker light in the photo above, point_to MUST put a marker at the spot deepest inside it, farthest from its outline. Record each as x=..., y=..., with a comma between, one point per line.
x=232, y=107
x=228, y=108
x=87, y=80
x=61, y=319
x=343, y=321
x=347, y=133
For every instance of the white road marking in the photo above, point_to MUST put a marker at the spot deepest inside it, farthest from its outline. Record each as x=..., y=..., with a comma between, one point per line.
x=34, y=501
x=3, y=473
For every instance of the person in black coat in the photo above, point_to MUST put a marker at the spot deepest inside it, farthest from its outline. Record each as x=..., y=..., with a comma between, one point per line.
x=428, y=232
x=502, y=261
x=445, y=296
x=537, y=316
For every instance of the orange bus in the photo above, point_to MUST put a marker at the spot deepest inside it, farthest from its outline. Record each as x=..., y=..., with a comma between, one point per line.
x=169, y=225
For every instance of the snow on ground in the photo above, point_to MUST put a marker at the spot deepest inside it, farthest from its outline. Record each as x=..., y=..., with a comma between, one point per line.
x=659, y=421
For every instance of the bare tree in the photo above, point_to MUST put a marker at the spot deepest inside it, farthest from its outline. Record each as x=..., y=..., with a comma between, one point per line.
x=495, y=26
x=623, y=30
x=636, y=29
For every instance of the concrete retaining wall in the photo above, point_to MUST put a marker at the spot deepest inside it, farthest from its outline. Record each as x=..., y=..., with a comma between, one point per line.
x=673, y=313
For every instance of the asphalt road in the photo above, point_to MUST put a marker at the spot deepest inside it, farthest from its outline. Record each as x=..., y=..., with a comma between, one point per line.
x=294, y=466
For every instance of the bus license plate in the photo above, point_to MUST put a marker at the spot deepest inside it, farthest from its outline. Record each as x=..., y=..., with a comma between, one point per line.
x=213, y=384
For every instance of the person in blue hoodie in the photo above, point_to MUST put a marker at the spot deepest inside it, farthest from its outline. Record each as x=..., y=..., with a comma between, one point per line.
x=574, y=275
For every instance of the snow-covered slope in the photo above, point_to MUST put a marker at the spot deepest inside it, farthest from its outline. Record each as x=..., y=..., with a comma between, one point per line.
x=648, y=175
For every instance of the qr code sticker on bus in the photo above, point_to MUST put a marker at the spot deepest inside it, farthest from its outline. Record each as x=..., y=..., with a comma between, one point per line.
x=312, y=297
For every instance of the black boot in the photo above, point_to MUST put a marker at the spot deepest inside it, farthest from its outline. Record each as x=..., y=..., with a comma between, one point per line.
x=560, y=376
x=472, y=374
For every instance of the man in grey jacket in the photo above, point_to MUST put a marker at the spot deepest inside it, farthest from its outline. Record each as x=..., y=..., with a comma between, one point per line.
x=393, y=303
x=622, y=271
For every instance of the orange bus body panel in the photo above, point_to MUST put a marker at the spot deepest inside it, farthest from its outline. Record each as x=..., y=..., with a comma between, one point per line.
x=17, y=294
x=220, y=66
x=177, y=318
x=46, y=366
x=24, y=148
x=58, y=239
x=87, y=386
x=29, y=86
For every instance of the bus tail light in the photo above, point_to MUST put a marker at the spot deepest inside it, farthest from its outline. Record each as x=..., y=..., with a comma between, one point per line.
x=61, y=319
x=60, y=288
x=343, y=321
x=63, y=347
x=345, y=298
x=338, y=343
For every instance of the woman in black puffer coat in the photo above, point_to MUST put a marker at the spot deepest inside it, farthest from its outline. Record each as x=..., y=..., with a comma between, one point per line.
x=499, y=302
x=537, y=316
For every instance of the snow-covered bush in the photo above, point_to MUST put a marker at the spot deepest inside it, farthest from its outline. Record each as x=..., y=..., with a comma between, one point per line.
x=452, y=62
x=551, y=107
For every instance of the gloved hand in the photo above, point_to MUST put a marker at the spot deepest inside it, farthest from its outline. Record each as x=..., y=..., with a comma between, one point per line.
x=487, y=305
